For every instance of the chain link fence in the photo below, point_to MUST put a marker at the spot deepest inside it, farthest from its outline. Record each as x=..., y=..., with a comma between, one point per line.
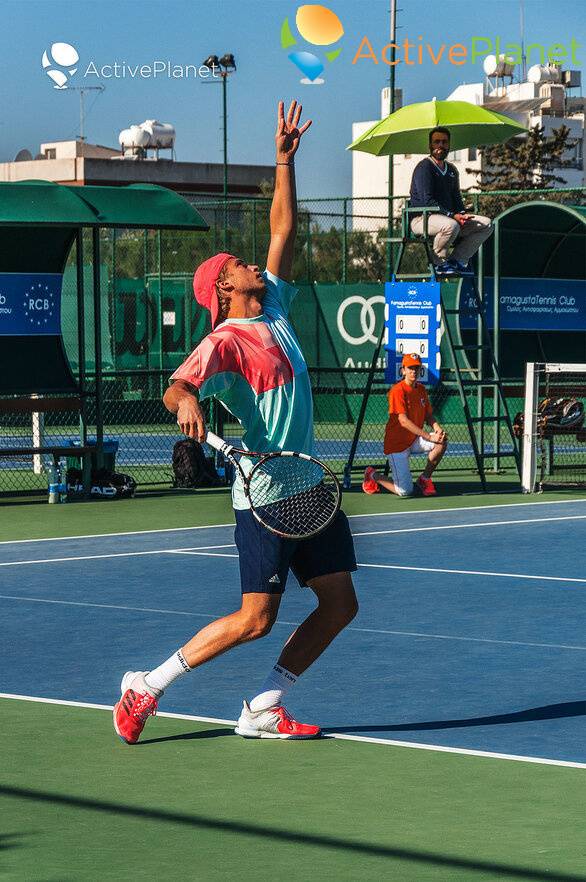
x=150, y=321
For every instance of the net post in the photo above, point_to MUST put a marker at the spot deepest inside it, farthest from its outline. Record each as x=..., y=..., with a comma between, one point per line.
x=529, y=462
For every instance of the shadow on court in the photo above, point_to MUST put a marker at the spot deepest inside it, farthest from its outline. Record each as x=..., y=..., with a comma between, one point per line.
x=547, y=712
x=7, y=840
x=187, y=736
x=286, y=836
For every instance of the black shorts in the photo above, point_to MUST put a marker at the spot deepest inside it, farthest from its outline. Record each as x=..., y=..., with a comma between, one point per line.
x=265, y=558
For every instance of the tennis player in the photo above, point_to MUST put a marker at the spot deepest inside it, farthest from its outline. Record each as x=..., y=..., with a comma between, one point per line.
x=252, y=363
x=409, y=411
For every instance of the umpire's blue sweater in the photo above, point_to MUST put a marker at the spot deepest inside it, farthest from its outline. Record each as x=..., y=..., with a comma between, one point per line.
x=431, y=186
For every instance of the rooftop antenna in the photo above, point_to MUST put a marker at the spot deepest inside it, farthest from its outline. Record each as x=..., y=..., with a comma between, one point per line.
x=82, y=90
x=522, y=25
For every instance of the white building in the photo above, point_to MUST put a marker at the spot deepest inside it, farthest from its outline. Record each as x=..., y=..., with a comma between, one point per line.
x=545, y=104
x=79, y=163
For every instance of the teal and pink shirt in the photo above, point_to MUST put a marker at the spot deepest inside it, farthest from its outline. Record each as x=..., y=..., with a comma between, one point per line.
x=255, y=367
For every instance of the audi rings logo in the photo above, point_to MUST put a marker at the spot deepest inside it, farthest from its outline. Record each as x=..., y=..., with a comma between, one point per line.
x=366, y=319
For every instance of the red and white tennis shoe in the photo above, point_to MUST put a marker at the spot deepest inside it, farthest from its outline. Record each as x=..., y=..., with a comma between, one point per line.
x=275, y=722
x=426, y=486
x=369, y=485
x=137, y=703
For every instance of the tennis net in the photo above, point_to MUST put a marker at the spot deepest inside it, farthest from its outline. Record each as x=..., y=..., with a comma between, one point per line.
x=552, y=426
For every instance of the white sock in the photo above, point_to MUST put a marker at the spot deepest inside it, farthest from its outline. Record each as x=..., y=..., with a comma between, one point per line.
x=273, y=689
x=166, y=674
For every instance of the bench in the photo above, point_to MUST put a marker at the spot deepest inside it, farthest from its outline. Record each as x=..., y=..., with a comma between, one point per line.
x=29, y=404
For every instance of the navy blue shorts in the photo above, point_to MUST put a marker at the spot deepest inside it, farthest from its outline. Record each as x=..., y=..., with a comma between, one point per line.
x=265, y=558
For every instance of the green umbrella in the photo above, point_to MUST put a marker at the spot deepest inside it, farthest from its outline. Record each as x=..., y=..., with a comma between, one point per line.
x=407, y=130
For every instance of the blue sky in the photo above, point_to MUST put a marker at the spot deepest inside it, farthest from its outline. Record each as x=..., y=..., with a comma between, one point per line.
x=186, y=31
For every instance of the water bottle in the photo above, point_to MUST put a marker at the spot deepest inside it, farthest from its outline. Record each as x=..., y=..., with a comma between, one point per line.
x=62, y=485
x=53, y=475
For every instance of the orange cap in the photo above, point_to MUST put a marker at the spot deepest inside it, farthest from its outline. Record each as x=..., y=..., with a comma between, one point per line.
x=411, y=360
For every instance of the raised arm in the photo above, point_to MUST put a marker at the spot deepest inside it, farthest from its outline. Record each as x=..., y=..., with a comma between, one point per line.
x=284, y=206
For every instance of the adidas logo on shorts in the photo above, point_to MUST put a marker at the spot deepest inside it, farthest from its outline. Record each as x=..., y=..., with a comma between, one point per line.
x=274, y=580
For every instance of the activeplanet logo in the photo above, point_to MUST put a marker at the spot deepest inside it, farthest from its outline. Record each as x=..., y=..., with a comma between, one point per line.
x=60, y=63
x=318, y=26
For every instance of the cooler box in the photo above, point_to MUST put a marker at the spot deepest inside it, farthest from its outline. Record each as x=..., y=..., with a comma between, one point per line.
x=110, y=448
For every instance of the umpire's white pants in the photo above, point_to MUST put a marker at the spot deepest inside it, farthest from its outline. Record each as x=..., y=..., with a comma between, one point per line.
x=399, y=463
x=447, y=231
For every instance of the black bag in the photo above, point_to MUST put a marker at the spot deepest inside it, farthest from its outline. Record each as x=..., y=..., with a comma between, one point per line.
x=555, y=416
x=104, y=484
x=561, y=415
x=191, y=467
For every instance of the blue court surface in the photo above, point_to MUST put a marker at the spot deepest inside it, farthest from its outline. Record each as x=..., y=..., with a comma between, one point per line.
x=470, y=633
x=157, y=449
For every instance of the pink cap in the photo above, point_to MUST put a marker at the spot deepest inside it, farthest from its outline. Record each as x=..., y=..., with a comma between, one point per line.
x=204, y=283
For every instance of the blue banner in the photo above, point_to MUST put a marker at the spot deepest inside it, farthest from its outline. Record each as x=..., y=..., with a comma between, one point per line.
x=413, y=325
x=530, y=304
x=30, y=304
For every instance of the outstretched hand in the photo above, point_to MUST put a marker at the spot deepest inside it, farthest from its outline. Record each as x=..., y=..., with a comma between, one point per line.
x=288, y=132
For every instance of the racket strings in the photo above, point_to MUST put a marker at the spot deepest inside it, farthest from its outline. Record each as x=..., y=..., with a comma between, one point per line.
x=293, y=497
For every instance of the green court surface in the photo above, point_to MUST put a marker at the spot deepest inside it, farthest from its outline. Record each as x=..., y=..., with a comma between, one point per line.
x=193, y=801
x=22, y=518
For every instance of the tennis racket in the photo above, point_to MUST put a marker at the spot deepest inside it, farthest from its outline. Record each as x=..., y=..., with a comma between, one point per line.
x=291, y=494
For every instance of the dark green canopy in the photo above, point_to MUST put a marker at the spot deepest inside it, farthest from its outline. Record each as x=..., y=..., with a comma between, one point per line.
x=540, y=239
x=39, y=223
x=43, y=203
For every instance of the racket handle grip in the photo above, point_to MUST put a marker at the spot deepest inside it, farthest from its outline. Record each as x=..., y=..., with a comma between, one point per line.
x=217, y=443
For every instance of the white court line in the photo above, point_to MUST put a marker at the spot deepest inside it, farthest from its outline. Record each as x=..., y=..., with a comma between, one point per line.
x=130, y=533
x=200, y=549
x=376, y=514
x=466, y=526
x=204, y=553
x=20, y=563
x=167, y=612
x=472, y=573
x=414, y=745
x=212, y=617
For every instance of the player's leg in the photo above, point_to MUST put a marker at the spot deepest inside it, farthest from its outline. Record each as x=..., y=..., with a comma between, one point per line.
x=264, y=560
x=141, y=690
x=254, y=619
x=337, y=605
x=324, y=564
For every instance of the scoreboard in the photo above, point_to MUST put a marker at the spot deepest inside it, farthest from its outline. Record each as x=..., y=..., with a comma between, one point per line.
x=413, y=324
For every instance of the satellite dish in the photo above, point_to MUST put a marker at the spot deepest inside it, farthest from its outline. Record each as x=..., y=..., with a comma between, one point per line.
x=23, y=155
x=501, y=66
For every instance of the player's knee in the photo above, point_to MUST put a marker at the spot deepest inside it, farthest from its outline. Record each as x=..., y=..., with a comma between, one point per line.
x=259, y=625
x=349, y=610
x=344, y=611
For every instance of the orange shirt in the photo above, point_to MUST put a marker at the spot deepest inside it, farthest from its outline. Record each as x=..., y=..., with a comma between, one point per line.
x=412, y=401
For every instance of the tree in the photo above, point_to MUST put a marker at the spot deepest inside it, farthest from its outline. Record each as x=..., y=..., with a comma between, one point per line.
x=528, y=163
x=524, y=163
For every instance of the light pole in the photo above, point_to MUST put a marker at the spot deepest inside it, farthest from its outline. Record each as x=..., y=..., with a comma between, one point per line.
x=223, y=67
x=390, y=214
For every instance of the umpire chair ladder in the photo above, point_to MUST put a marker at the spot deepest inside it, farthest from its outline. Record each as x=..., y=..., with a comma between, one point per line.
x=482, y=380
